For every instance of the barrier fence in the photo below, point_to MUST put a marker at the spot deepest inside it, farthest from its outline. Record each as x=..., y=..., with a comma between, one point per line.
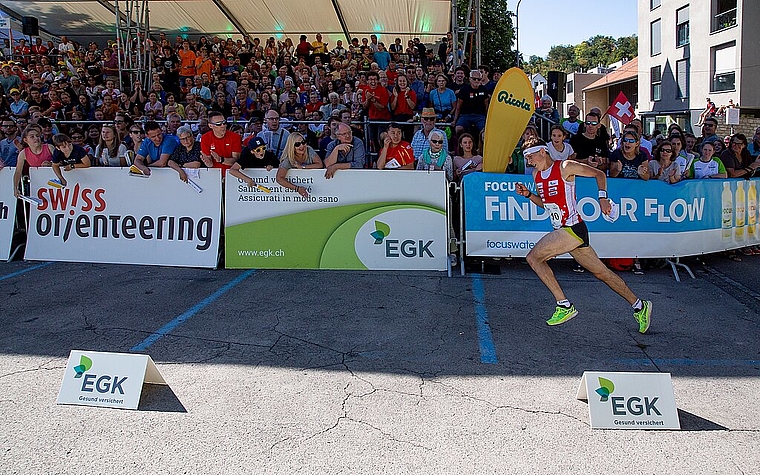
x=7, y=212
x=359, y=219
x=656, y=220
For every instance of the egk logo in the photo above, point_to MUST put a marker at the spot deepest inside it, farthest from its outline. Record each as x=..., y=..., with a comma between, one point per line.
x=92, y=382
x=622, y=406
x=408, y=248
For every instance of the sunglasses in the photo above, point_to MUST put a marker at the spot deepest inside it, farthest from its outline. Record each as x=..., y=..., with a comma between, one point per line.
x=218, y=124
x=428, y=119
x=436, y=141
x=298, y=144
x=136, y=132
x=592, y=122
x=737, y=143
x=666, y=150
x=260, y=149
x=629, y=140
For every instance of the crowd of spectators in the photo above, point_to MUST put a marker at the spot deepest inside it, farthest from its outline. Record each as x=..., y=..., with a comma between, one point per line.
x=247, y=103
x=268, y=89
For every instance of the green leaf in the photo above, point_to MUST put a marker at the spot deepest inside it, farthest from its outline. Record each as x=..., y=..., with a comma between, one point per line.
x=383, y=228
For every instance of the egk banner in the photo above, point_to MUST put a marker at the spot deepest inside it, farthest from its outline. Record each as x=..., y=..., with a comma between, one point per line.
x=106, y=215
x=655, y=219
x=359, y=219
x=7, y=212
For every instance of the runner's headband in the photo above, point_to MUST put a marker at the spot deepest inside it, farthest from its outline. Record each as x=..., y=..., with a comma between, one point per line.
x=535, y=149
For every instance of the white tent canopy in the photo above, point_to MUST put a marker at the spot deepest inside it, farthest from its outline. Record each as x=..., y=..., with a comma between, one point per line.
x=335, y=19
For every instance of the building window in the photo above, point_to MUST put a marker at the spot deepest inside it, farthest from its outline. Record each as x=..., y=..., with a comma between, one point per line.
x=654, y=4
x=723, y=67
x=655, y=38
x=682, y=26
x=656, y=81
x=682, y=79
x=569, y=87
x=724, y=15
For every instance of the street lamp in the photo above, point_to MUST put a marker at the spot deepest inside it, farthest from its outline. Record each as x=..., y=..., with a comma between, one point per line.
x=517, y=33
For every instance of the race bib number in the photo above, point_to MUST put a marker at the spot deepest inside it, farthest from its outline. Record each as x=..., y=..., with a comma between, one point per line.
x=555, y=214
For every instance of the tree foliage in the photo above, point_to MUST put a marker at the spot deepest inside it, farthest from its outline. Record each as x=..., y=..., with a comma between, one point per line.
x=596, y=51
x=497, y=35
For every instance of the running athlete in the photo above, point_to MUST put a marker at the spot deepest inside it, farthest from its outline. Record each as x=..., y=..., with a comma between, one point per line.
x=555, y=184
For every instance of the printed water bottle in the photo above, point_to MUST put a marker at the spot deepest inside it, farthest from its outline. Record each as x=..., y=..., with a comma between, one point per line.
x=727, y=206
x=741, y=202
x=752, y=211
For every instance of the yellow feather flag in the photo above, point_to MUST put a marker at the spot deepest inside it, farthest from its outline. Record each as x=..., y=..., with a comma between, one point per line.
x=509, y=112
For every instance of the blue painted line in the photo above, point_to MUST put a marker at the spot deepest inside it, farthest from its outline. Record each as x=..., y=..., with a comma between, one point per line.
x=24, y=271
x=485, y=339
x=166, y=329
x=687, y=362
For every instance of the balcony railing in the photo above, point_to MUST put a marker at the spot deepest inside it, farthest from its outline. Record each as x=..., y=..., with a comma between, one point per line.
x=724, y=20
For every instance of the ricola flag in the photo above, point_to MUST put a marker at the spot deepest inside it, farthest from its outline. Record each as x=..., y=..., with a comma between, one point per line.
x=621, y=109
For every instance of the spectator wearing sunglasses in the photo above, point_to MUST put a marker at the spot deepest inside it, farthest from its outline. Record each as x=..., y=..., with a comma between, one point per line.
x=590, y=147
x=220, y=148
x=254, y=155
x=297, y=154
x=435, y=157
x=420, y=141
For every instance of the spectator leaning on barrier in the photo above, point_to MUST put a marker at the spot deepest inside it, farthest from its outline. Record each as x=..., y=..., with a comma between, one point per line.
x=69, y=156
x=155, y=149
x=345, y=152
x=395, y=154
x=298, y=155
x=708, y=166
x=590, y=148
x=220, y=148
x=187, y=154
x=468, y=159
x=111, y=151
x=571, y=123
x=34, y=154
x=737, y=159
x=254, y=155
x=435, y=158
x=663, y=166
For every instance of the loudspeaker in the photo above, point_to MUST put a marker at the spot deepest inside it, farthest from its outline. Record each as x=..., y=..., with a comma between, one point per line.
x=557, y=86
x=29, y=25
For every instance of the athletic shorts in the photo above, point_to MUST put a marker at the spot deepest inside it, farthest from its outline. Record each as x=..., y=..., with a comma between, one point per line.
x=579, y=231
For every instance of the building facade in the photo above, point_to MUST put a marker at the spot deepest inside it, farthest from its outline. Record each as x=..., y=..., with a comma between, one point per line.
x=690, y=50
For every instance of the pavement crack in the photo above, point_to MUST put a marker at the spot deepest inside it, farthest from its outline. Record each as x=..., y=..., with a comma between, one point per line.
x=41, y=367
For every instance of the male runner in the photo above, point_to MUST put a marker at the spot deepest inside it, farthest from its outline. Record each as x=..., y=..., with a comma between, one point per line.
x=555, y=183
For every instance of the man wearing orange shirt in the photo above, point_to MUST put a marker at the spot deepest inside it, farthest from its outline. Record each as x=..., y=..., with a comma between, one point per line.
x=186, y=62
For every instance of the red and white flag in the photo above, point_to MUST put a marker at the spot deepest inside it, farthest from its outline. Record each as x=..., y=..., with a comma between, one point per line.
x=621, y=109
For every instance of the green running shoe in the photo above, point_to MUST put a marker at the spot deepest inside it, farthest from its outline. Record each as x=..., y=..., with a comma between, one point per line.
x=642, y=316
x=562, y=314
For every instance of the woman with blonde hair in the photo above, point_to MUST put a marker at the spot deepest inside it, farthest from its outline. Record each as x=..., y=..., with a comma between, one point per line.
x=111, y=151
x=34, y=154
x=297, y=154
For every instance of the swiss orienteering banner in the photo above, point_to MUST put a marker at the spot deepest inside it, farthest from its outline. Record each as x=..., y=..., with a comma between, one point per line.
x=655, y=219
x=509, y=112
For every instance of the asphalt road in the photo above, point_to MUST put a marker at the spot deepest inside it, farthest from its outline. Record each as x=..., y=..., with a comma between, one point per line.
x=383, y=372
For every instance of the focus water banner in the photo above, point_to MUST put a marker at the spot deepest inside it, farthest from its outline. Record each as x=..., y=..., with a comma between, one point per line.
x=359, y=219
x=655, y=219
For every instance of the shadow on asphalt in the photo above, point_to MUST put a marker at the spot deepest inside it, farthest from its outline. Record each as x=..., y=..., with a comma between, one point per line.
x=159, y=398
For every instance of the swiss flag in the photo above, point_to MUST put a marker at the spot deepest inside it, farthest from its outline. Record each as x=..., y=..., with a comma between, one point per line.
x=621, y=109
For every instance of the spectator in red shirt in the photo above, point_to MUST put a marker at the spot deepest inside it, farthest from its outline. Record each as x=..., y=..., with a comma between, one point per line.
x=220, y=148
x=376, y=99
x=395, y=153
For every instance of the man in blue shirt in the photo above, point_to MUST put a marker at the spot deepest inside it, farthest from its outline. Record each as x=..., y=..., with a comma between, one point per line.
x=155, y=149
x=10, y=145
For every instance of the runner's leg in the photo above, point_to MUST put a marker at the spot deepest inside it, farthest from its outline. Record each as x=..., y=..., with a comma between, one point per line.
x=552, y=245
x=586, y=256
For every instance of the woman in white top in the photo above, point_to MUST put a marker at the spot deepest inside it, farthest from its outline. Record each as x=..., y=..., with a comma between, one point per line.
x=110, y=152
x=558, y=148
